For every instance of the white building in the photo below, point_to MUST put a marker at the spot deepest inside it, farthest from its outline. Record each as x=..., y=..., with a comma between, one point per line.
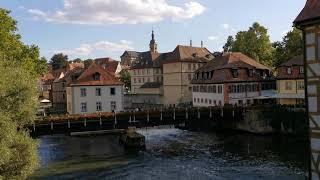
x=96, y=90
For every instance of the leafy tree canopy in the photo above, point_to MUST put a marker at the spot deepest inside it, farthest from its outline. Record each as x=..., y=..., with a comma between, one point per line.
x=59, y=61
x=255, y=42
x=20, y=67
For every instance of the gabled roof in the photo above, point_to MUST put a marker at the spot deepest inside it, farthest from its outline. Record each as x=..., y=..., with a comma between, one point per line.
x=232, y=60
x=221, y=66
x=148, y=59
x=87, y=79
x=310, y=12
x=108, y=64
x=189, y=53
x=295, y=61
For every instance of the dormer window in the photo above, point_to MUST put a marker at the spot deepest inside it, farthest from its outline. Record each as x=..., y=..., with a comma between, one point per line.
x=250, y=73
x=235, y=73
x=194, y=54
x=96, y=76
x=289, y=70
x=301, y=70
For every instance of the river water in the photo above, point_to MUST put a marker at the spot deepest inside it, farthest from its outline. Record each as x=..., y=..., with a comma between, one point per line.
x=174, y=154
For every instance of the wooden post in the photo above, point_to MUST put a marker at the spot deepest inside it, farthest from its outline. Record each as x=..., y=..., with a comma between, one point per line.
x=130, y=119
x=233, y=113
x=161, y=114
x=51, y=125
x=199, y=113
x=68, y=124
x=210, y=114
x=148, y=116
x=187, y=114
x=134, y=117
x=115, y=118
x=85, y=122
x=174, y=114
x=221, y=112
x=100, y=121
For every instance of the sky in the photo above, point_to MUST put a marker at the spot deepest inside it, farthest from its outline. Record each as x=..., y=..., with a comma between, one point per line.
x=106, y=28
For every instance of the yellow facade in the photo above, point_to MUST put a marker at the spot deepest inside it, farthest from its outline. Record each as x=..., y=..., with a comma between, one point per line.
x=290, y=91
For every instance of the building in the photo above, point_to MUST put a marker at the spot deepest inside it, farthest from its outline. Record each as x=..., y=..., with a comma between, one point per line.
x=232, y=78
x=290, y=82
x=178, y=70
x=67, y=75
x=95, y=90
x=163, y=78
x=309, y=22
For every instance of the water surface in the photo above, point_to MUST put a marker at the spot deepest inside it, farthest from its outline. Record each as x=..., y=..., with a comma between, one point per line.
x=174, y=154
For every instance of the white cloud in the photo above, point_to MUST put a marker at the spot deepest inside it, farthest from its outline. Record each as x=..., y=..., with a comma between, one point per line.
x=213, y=38
x=101, y=12
x=225, y=26
x=104, y=46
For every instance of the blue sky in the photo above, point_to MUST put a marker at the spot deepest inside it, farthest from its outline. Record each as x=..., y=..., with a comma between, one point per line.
x=105, y=28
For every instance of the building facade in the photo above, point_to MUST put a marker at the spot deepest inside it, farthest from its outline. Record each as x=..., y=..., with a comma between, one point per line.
x=96, y=90
x=290, y=82
x=165, y=77
x=309, y=22
x=233, y=78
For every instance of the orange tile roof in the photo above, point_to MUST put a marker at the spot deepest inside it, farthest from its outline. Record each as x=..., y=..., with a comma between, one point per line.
x=106, y=77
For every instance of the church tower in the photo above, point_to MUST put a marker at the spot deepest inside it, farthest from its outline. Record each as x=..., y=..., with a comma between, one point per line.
x=153, y=45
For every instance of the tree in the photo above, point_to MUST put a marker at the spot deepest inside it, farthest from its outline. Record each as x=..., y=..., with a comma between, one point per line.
x=59, y=61
x=289, y=47
x=255, y=42
x=228, y=46
x=77, y=60
x=20, y=67
x=125, y=77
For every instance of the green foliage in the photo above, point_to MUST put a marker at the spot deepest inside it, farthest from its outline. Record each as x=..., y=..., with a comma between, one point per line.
x=254, y=42
x=125, y=77
x=289, y=47
x=20, y=67
x=59, y=61
x=77, y=60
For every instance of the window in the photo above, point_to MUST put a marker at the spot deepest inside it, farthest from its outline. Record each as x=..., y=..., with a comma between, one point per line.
x=113, y=105
x=234, y=73
x=250, y=73
x=112, y=91
x=289, y=70
x=310, y=38
x=194, y=66
x=189, y=66
x=98, y=91
x=98, y=106
x=63, y=84
x=134, y=80
x=63, y=96
x=214, y=89
x=220, y=89
x=288, y=85
x=84, y=107
x=206, y=101
x=96, y=76
x=194, y=99
x=83, y=92
x=300, y=85
x=134, y=72
x=210, y=101
x=189, y=77
x=301, y=70
x=201, y=100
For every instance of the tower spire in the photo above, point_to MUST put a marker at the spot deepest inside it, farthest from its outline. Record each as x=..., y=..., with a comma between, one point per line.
x=153, y=45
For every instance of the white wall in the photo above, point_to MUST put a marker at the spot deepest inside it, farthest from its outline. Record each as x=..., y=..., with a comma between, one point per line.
x=91, y=99
x=209, y=96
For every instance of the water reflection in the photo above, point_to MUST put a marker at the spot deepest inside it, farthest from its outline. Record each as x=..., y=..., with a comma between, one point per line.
x=174, y=154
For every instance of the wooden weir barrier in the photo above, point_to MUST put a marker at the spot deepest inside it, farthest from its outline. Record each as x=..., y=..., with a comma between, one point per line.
x=189, y=118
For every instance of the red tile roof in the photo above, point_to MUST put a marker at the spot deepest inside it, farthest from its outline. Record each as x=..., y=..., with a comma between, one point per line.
x=221, y=67
x=106, y=78
x=310, y=12
x=108, y=64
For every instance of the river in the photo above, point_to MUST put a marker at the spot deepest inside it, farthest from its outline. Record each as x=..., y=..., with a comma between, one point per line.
x=174, y=154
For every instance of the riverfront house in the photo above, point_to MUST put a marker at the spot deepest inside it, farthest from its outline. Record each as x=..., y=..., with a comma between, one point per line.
x=290, y=82
x=233, y=78
x=96, y=90
x=163, y=78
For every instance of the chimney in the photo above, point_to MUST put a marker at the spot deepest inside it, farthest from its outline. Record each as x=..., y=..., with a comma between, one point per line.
x=190, y=42
x=201, y=44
